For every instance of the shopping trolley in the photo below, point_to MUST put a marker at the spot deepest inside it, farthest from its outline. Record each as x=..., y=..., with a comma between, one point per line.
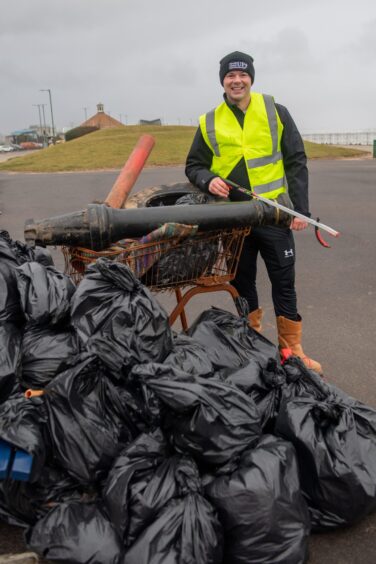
x=205, y=262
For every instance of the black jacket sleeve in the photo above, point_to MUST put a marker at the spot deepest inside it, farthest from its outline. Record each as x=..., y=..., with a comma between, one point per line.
x=294, y=161
x=198, y=163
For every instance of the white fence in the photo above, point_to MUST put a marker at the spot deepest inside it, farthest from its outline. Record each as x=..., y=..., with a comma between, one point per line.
x=347, y=138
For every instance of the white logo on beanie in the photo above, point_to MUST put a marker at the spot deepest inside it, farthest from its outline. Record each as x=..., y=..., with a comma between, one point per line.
x=237, y=65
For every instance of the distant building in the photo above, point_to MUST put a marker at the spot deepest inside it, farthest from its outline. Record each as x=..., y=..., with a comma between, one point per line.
x=150, y=122
x=23, y=135
x=101, y=120
x=42, y=131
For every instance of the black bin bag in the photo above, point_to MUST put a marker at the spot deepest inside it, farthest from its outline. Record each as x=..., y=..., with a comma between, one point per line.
x=190, y=356
x=186, y=530
x=143, y=479
x=10, y=360
x=335, y=443
x=13, y=251
x=263, y=385
x=118, y=319
x=194, y=258
x=230, y=342
x=10, y=303
x=206, y=418
x=23, y=424
x=260, y=505
x=23, y=503
x=130, y=474
x=302, y=382
x=18, y=253
x=75, y=533
x=15, y=511
x=43, y=256
x=45, y=293
x=88, y=421
x=12, y=255
x=46, y=351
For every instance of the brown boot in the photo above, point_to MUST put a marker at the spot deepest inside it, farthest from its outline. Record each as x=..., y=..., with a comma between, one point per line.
x=255, y=318
x=290, y=336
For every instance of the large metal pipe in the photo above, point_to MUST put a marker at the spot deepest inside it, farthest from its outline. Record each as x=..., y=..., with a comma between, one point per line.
x=99, y=226
x=130, y=172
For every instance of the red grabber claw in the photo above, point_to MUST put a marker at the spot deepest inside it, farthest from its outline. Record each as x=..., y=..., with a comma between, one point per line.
x=285, y=354
x=319, y=237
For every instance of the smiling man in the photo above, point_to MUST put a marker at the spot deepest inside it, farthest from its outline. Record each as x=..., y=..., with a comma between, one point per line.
x=254, y=142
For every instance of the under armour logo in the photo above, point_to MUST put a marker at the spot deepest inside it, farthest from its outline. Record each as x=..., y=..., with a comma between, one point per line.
x=289, y=253
x=237, y=65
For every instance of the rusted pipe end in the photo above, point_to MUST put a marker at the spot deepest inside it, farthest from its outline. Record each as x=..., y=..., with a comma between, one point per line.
x=130, y=172
x=33, y=393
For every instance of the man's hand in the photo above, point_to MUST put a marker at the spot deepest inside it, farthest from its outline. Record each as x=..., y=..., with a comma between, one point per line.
x=218, y=187
x=298, y=224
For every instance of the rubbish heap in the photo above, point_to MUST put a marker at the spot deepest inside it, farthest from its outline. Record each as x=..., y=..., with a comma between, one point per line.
x=124, y=442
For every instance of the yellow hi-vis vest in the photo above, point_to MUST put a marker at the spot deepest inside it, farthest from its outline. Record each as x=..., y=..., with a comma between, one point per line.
x=259, y=143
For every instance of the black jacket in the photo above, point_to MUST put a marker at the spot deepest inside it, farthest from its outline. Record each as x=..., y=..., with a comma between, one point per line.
x=199, y=161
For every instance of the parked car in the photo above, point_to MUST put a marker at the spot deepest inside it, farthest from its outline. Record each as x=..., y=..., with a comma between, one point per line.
x=6, y=149
x=31, y=145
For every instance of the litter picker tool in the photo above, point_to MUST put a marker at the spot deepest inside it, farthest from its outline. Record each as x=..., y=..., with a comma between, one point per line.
x=316, y=223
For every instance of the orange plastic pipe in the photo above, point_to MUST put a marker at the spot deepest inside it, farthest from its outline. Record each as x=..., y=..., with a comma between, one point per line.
x=130, y=172
x=33, y=393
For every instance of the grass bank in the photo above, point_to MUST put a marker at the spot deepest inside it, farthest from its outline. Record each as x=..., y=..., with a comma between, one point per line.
x=110, y=148
x=318, y=151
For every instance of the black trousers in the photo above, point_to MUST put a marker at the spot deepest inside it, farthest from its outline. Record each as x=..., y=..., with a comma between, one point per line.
x=277, y=248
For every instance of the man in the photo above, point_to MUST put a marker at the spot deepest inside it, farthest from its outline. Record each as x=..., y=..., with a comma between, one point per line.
x=255, y=143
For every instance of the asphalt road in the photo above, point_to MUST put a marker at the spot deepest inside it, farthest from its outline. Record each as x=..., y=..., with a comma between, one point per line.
x=336, y=289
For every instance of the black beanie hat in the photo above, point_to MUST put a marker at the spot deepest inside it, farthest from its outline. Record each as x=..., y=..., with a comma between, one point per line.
x=236, y=61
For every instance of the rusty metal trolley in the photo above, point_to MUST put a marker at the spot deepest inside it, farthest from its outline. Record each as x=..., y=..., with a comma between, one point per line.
x=206, y=262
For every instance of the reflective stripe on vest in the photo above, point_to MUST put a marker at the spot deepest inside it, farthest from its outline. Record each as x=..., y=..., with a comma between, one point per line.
x=270, y=186
x=261, y=135
x=210, y=130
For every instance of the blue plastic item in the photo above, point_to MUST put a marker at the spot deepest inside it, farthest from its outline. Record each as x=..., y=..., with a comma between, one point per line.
x=5, y=458
x=22, y=465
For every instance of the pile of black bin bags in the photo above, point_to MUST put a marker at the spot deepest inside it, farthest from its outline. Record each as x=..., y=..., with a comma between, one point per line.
x=150, y=447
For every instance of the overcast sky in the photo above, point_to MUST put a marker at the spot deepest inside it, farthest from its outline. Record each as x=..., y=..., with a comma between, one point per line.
x=160, y=59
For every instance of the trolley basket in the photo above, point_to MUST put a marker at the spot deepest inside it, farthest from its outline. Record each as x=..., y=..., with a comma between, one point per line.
x=205, y=262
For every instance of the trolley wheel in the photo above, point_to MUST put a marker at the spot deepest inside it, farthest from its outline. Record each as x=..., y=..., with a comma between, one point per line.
x=165, y=194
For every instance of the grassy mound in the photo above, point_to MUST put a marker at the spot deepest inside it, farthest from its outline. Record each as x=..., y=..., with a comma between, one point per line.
x=110, y=148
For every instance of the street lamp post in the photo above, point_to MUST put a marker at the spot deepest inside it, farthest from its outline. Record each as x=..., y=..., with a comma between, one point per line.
x=52, y=115
x=40, y=118
x=44, y=118
x=85, y=110
x=45, y=142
